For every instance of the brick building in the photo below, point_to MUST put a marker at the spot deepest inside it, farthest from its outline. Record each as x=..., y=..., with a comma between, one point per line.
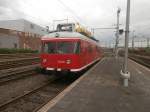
x=20, y=34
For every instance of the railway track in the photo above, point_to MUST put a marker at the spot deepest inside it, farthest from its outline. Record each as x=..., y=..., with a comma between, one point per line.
x=15, y=74
x=7, y=57
x=18, y=62
x=37, y=96
x=19, y=55
x=144, y=60
x=32, y=100
x=12, y=101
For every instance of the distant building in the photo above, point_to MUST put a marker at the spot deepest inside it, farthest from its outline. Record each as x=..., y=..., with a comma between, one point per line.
x=20, y=34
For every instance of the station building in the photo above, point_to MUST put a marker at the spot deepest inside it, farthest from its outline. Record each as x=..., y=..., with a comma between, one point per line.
x=20, y=34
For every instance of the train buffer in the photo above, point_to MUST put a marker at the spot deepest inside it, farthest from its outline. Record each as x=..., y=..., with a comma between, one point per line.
x=101, y=90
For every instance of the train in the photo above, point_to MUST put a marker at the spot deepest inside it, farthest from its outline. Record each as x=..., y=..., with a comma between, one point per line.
x=69, y=49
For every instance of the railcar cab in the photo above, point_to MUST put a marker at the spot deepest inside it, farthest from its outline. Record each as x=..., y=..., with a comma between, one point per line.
x=69, y=48
x=60, y=54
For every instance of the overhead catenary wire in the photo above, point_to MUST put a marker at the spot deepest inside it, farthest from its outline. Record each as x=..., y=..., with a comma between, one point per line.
x=72, y=12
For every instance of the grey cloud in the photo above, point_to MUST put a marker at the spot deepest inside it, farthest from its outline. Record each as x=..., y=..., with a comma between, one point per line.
x=140, y=18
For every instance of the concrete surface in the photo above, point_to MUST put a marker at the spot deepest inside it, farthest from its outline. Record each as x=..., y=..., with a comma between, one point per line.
x=101, y=90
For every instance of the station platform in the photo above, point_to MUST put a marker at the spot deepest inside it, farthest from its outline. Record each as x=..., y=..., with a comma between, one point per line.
x=101, y=90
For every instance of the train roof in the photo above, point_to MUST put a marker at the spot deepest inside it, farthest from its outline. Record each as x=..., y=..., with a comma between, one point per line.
x=64, y=35
x=67, y=35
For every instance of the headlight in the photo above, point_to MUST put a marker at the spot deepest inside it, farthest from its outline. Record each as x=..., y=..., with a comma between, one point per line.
x=68, y=61
x=44, y=60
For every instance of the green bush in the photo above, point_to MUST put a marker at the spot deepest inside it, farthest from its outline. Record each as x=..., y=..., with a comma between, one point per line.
x=12, y=51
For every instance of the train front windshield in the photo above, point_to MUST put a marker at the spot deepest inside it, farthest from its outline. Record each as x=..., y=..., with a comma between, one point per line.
x=61, y=47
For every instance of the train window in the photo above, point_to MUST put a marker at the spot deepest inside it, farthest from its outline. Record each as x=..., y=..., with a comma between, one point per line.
x=67, y=47
x=61, y=47
x=77, y=48
x=49, y=47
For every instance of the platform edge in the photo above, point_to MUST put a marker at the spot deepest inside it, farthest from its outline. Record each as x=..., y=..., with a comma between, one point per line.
x=55, y=100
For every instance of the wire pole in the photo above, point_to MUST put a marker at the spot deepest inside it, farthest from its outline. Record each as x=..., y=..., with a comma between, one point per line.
x=117, y=32
x=127, y=37
x=125, y=74
x=147, y=42
x=133, y=42
x=133, y=39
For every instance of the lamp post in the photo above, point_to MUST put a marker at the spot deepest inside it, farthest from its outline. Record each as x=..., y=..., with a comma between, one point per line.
x=125, y=74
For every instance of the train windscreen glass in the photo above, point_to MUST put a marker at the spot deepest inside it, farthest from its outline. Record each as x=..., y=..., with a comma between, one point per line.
x=67, y=47
x=62, y=47
x=49, y=47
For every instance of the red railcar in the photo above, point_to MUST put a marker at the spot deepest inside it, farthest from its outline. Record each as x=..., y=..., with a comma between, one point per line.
x=68, y=51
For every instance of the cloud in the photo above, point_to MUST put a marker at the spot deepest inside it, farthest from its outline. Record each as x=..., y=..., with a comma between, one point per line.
x=92, y=13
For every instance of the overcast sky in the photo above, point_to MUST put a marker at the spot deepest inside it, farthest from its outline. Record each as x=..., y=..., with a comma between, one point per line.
x=90, y=13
